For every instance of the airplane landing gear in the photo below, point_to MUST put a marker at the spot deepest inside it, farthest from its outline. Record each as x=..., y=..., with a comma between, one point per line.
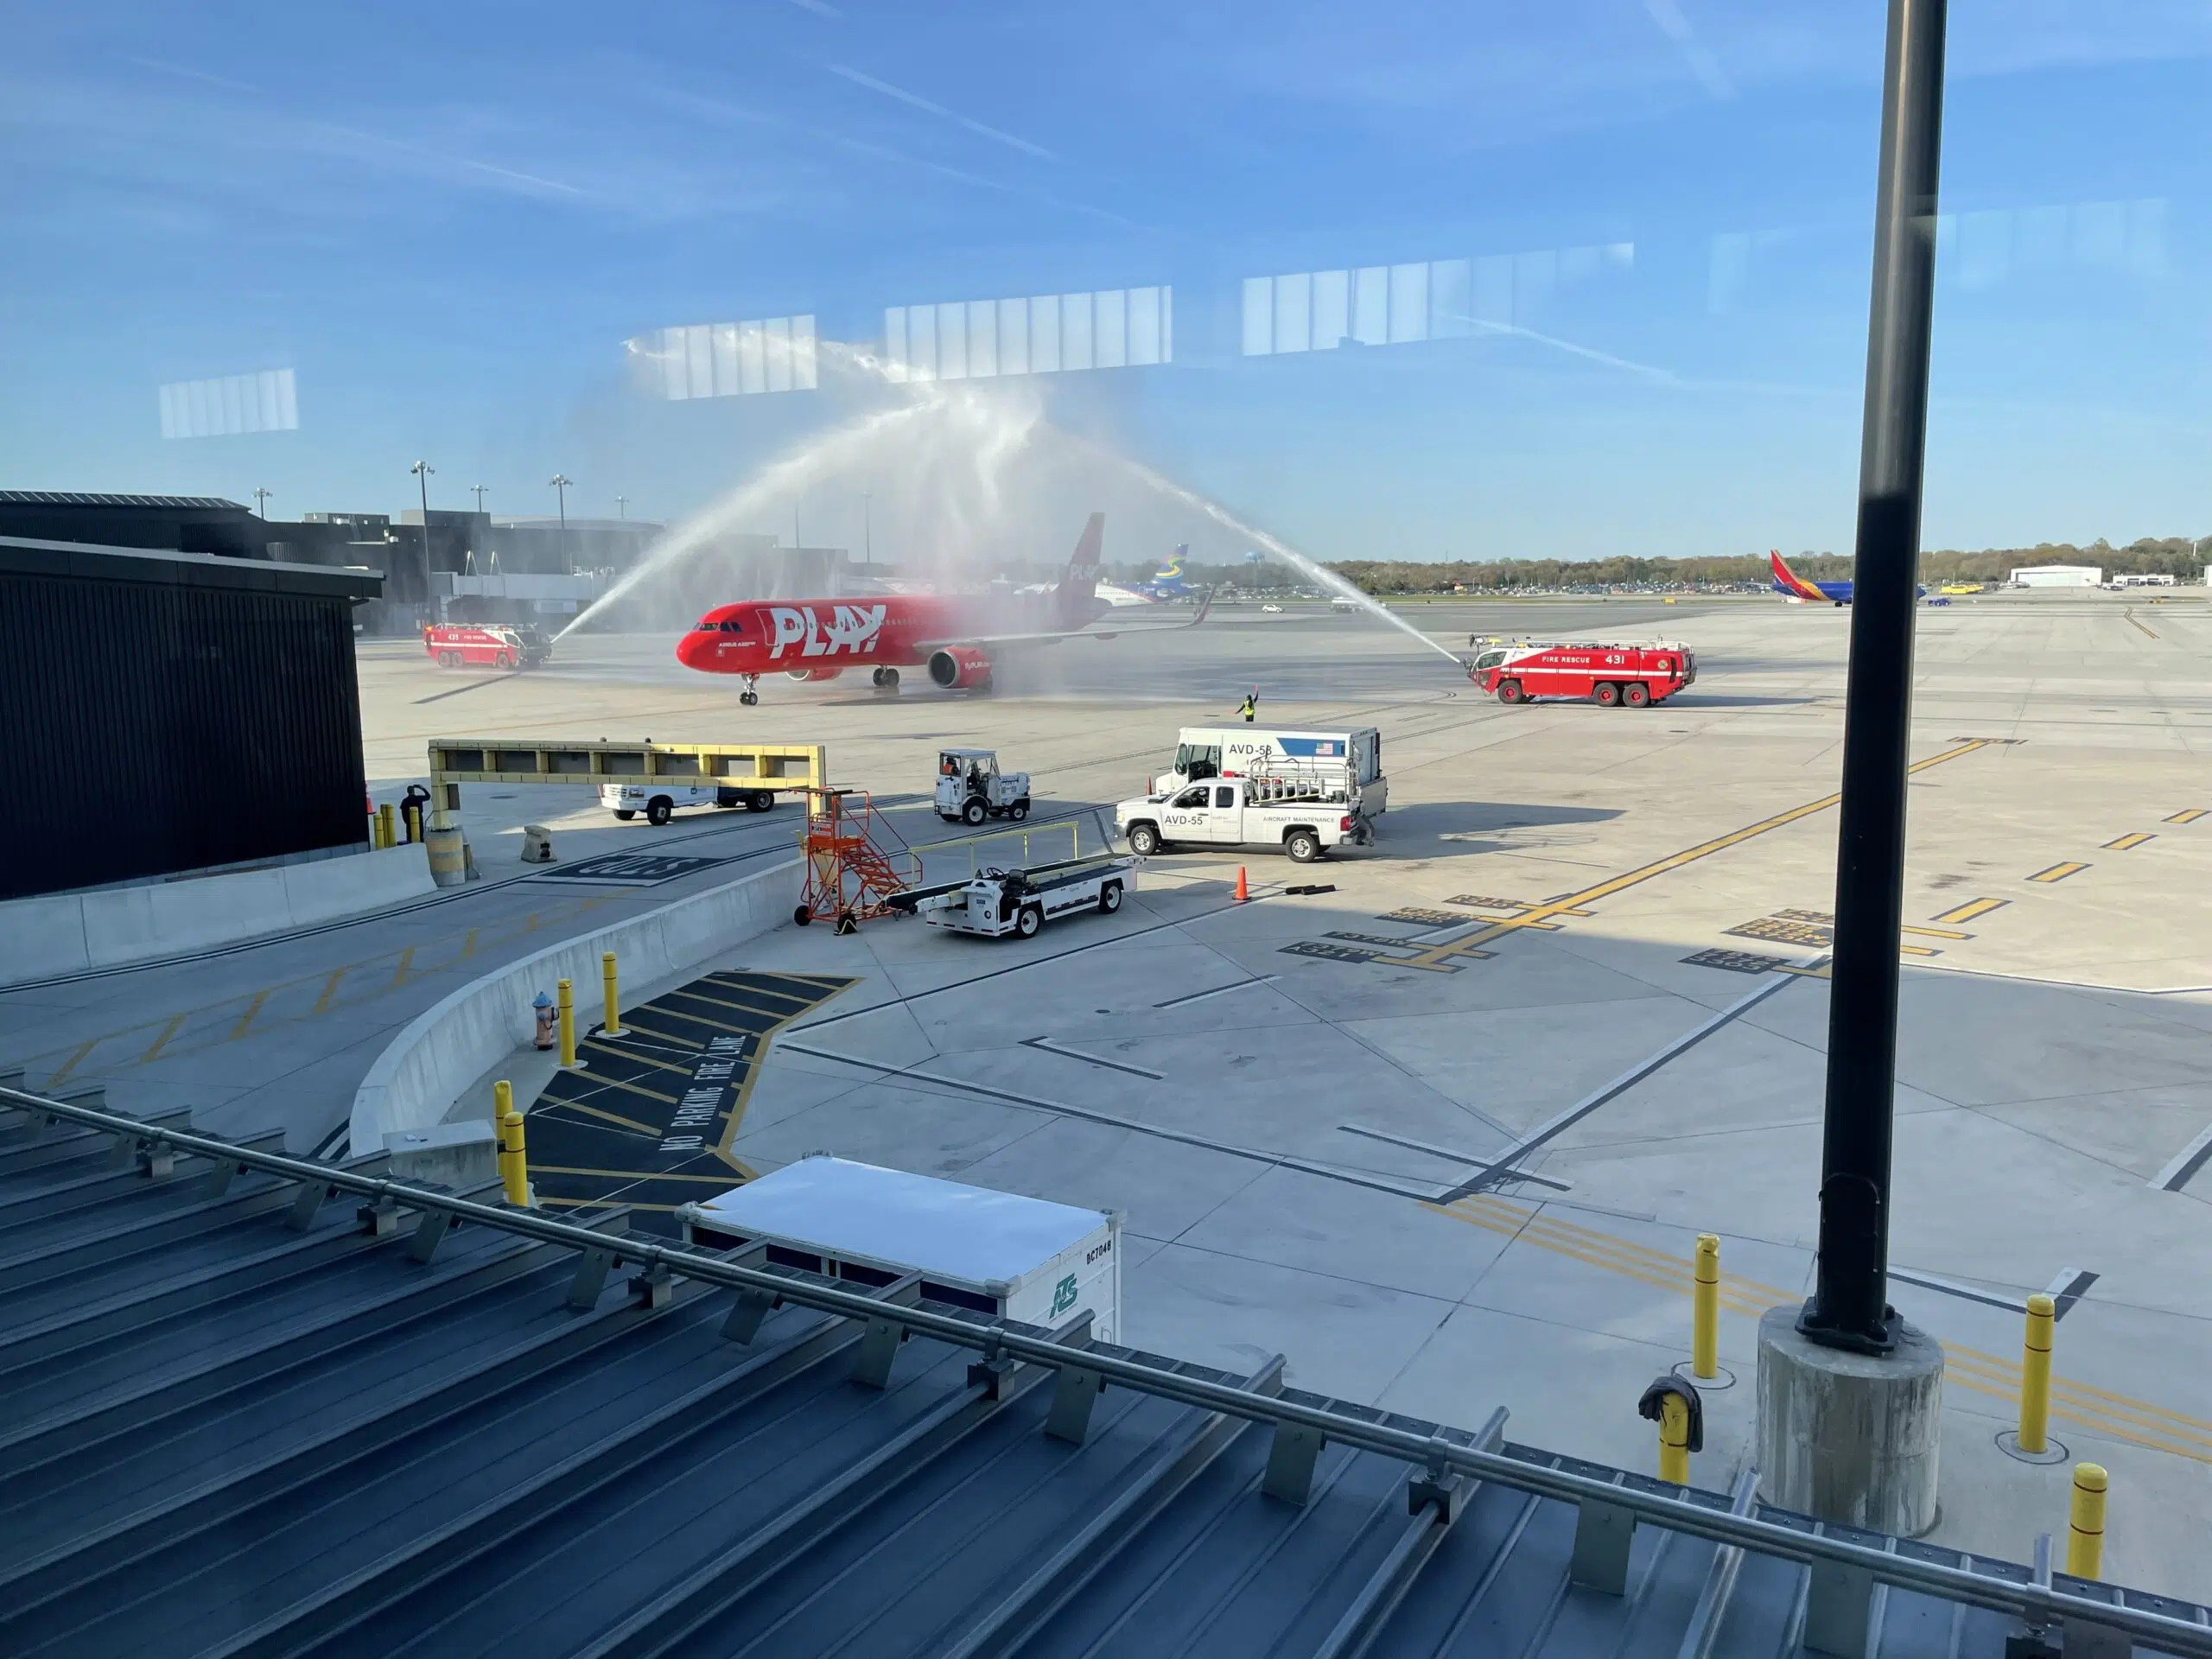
x=750, y=695
x=887, y=680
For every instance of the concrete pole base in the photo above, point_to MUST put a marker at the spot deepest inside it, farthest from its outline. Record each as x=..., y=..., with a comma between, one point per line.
x=1849, y=1437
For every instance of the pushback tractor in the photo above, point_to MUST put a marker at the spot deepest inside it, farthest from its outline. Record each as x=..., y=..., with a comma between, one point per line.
x=970, y=788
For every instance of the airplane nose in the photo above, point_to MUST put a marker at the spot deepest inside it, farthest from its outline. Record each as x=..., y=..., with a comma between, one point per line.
x=687, y=649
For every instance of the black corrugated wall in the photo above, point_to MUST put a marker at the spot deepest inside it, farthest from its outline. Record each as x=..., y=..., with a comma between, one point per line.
x=152, y=727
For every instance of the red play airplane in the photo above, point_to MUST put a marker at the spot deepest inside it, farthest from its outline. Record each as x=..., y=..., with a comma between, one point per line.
x=954, y=637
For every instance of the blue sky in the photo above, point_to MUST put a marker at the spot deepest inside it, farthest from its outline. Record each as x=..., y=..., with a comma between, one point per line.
x=446, y=220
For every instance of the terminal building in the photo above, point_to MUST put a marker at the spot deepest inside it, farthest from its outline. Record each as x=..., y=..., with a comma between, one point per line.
x=187, y=711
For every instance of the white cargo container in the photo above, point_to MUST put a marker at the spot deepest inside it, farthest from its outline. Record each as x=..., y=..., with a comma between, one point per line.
x=1026, y=1259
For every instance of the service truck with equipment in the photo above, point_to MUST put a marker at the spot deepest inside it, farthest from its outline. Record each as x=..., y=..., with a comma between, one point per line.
x=1304, y=817
x=970, y=788
x=1348, y=760
x=994, y=903
x=1611, y=676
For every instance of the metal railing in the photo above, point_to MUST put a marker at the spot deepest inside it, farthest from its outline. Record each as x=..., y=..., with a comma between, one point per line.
x=2037, y=1604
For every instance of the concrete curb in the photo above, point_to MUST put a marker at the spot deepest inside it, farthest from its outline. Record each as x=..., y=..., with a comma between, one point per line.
x=450, y=1045
x=112, y=927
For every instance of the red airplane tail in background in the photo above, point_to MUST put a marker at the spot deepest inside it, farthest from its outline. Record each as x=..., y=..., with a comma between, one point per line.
x=1078, y=588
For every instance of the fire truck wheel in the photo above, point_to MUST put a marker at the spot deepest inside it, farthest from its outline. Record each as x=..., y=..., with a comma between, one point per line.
x=503, y=661
x=1018, y=811
x=1110, y=897
x=1144, y=840
x=760, y=800
x=1510, y=691
x=626, y=813
x=1605, y=693
x=1303, y=845
x=1028, y=920
x=973, y=812
x=1636, y=694
x=802, y=916
x=659, y=810
x=449, y=659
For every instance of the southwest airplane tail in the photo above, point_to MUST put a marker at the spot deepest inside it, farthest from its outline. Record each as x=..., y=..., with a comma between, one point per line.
x=1798, y=591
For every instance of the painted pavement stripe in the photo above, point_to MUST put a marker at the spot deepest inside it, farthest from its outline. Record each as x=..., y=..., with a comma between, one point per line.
x=1971, y=909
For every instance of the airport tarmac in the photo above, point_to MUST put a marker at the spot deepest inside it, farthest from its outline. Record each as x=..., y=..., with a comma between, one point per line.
x=1285, y=1096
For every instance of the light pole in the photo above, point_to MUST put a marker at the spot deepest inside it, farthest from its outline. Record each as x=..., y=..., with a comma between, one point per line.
x=479, y=489
x=559, y=483
x=422, y=469
x=621, y=506
x=261, y=502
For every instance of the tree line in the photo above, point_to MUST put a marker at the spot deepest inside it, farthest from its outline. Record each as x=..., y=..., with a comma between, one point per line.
x=2179, y=556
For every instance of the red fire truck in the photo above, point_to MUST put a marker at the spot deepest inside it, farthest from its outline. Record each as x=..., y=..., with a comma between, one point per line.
x=488, y=644
x=1608, y=675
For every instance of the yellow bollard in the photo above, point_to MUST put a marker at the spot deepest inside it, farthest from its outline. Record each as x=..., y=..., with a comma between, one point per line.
x=1674, y=1440
x=2085, y=1527
x=2035, y=1375
x=1705, y=1309
x=515, y=1174
x=565, y=1011
x=503, y=1102
x=384, y=837
x=613, y=1025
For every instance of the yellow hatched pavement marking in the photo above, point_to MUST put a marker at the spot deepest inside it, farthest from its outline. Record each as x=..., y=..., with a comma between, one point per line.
x=2126, y=842
x=683, y=1071
x=1971, y=909
x=2115, y=1415
x=1436, y=956
x=598, y=1112
x=347, y=984
x=600, y=1079
x=75, y=1059
x=245, y=1020
x=330, y=991
x=163, y=1041
x=2190, y=816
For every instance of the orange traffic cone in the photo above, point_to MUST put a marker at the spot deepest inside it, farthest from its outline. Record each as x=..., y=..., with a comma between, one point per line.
x=1243, y=892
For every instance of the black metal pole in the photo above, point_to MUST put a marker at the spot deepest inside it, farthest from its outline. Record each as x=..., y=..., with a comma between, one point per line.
x=1850, y=1304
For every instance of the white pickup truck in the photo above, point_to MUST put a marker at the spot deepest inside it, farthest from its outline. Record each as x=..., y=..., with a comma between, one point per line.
x=1304, y=820
x=658, y=801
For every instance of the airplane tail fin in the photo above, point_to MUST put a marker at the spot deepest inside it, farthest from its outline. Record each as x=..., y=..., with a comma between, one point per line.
x=1786, y=581
x=1080, y=585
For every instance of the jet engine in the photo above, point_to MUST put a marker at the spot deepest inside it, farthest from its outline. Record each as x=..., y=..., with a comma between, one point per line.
x=958, y=666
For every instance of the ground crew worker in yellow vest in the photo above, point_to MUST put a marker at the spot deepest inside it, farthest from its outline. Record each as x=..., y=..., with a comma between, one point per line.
x=1251, y=707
